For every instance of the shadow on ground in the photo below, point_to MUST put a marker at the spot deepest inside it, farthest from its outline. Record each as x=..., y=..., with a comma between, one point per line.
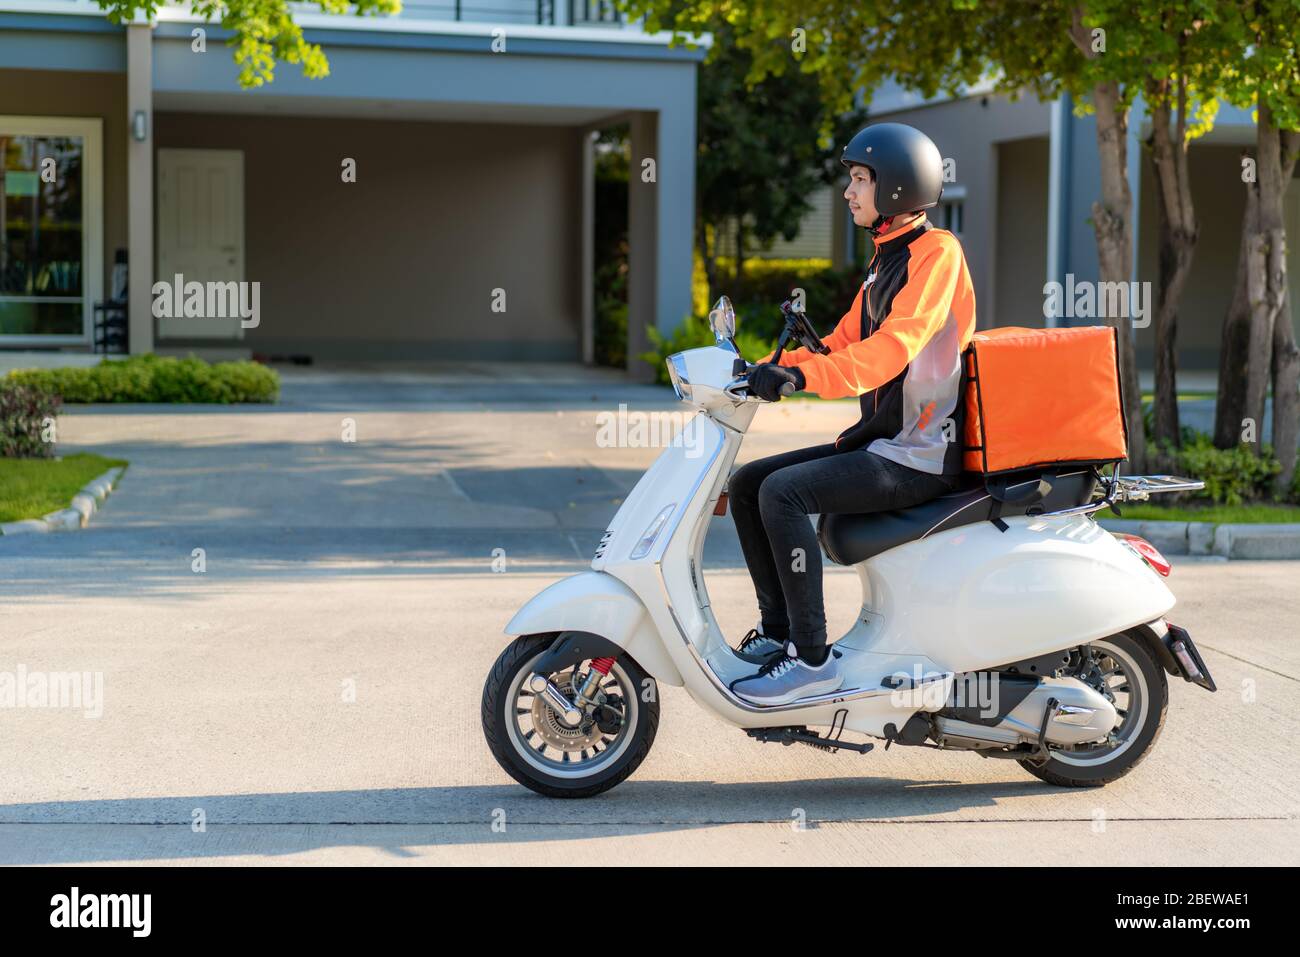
x=636, y=807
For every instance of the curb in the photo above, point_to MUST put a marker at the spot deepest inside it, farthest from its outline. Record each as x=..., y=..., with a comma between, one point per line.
x=76, y=515
x=1209, y=538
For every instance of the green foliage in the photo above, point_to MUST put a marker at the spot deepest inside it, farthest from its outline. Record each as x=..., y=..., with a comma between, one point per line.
x=24, y=410
x=611, y=314
x=763, y=287
x=1224, y=49
x=692, y=334
x=610, y=252
x=762, y=146
x=1231, y=476
x=151, y=378
x=828, y=293
x=264, y=30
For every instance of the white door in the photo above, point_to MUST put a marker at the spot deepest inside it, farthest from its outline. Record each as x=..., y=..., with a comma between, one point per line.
x=200, y=230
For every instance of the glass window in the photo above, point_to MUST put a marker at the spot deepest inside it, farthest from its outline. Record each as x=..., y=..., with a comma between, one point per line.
x=952, y=214
x=42, y=241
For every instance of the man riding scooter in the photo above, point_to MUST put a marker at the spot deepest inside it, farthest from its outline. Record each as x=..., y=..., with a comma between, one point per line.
x=898, y=349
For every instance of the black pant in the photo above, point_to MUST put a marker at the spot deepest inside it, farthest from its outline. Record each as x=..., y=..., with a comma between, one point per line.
x=771, y=500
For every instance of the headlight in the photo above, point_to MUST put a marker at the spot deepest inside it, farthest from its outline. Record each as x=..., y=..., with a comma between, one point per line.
x=677, y=375
x=652, y=532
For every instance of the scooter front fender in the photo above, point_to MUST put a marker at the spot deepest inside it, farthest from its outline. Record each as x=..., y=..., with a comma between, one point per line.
x=600, y=604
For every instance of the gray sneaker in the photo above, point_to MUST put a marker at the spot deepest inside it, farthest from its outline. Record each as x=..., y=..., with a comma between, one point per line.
x=788, y=679
x=757, y=649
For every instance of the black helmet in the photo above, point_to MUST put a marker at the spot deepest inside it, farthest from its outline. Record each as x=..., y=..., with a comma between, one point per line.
x=905, y=162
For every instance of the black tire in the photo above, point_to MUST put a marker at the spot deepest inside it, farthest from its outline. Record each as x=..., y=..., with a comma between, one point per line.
x=503, y=744
x=1094, y=775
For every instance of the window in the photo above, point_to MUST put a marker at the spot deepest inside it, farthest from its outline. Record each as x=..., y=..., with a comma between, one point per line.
x=952, y=218
x=949, y=215
x=51, y=257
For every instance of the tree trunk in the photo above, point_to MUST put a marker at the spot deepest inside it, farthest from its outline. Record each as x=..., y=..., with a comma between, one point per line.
x=1112, y=218
x=1178, y=237
x=1286, y=398
x=1286, y=354
x=1265, y=269
x=1230, y=405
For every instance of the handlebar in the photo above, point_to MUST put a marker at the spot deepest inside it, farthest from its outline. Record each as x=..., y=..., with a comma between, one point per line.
x=787, y=389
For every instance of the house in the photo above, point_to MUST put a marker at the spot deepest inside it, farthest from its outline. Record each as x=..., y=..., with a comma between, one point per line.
x=430, y=199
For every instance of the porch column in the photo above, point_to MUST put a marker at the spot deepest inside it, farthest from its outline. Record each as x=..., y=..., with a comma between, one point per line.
x=1059, y=176
x=139, y=177
x=642, y=252
x=661, y=220
x=587, y=277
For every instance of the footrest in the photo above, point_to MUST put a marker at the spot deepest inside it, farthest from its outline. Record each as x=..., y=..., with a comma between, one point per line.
x=798, y=734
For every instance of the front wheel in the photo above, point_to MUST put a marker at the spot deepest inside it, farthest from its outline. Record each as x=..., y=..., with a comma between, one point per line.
x=543, y=753
x=1123, y=669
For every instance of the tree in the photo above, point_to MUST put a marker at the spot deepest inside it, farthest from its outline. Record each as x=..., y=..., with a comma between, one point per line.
x=1181, y=57
x=1258, y=337
x=264, y=30
x=757, y=163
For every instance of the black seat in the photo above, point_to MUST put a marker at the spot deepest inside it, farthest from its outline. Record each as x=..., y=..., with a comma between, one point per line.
x=850, y=538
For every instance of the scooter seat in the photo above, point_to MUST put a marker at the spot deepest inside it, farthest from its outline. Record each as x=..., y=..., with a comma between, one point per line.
x=849, y=538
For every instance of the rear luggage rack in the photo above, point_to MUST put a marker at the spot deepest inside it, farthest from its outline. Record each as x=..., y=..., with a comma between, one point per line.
x=1132, y=488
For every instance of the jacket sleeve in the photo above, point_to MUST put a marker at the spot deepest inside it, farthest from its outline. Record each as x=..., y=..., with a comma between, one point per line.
x=918, y=311
x=845, y=332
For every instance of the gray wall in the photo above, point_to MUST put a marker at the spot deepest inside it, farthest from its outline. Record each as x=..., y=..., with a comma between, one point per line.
x=1021, y=259
x=968, y=131
x=402, y=263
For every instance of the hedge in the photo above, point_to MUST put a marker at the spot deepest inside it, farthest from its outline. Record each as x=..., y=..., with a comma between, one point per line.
x=159, y=379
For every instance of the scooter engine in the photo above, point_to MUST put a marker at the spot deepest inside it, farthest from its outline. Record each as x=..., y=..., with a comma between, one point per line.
x=1012, y=708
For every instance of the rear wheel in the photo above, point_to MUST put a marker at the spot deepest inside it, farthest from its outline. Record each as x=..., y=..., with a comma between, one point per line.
x=538, y=749
x=1122, y=669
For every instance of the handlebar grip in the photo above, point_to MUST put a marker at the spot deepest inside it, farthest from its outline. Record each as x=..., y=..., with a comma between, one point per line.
x=787, y=388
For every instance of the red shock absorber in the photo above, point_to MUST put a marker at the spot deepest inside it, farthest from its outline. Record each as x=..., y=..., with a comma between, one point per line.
x=602, y=665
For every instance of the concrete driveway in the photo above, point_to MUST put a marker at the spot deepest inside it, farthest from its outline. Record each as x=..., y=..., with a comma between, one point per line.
x=311, y=696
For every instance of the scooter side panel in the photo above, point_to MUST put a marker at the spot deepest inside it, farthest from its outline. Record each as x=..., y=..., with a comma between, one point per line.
x=602, y=605
x=975, y=597
x=671, y=479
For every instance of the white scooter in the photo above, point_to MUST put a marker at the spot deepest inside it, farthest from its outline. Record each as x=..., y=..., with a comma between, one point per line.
x=1033, y=634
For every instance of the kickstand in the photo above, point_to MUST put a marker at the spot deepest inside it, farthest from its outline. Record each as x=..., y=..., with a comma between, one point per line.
x=837, y=726
x=1041, y=754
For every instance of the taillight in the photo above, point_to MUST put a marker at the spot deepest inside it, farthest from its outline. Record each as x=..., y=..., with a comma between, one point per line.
x=1147, y=552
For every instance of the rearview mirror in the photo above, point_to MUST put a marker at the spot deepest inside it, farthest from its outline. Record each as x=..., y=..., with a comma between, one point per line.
x=722, y=320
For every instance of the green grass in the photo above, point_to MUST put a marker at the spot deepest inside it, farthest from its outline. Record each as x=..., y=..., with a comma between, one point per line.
x=1183, y=396
x=1217, y=514
x=30, y=488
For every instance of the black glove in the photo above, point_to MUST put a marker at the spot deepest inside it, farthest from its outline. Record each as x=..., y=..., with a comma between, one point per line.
x=765, y=381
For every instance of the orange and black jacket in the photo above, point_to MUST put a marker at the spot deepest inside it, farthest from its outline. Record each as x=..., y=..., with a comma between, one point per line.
x=899, y=348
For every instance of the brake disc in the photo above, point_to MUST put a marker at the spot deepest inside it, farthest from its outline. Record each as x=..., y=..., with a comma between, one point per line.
x=556, y=733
